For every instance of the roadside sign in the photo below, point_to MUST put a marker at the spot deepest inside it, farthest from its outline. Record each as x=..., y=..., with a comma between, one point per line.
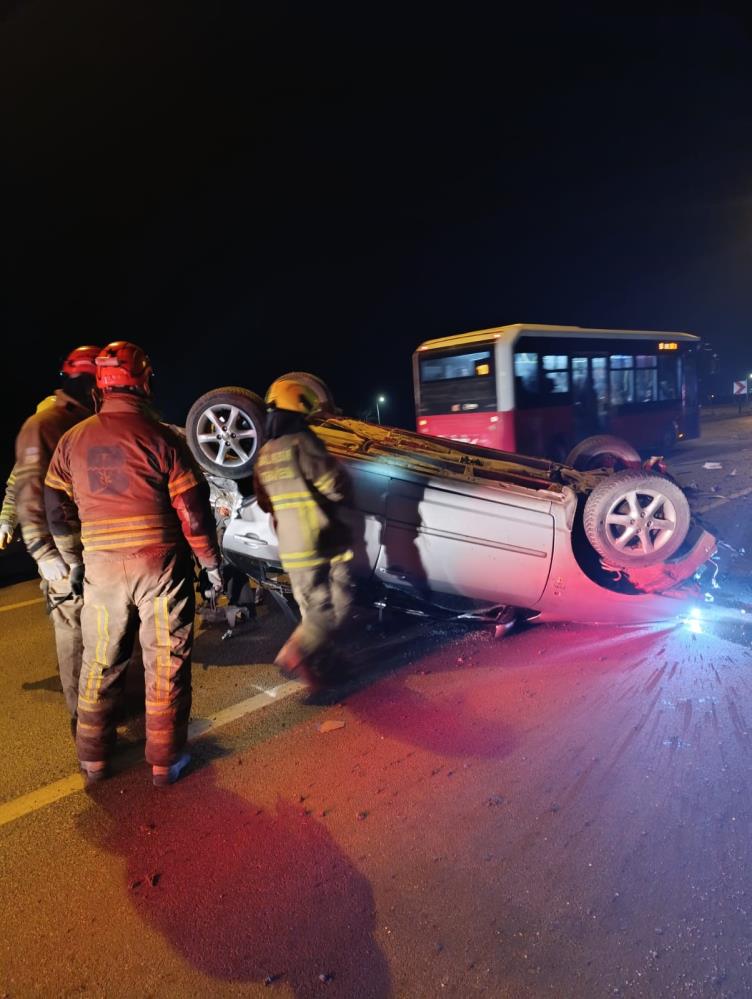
x=740, y=388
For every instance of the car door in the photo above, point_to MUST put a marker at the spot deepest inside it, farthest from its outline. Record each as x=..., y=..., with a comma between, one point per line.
x=365, y=515
x=458, y=540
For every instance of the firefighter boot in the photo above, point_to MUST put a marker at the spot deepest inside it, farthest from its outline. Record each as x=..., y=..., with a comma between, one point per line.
x=94, y=772
x=294, y=664
x=164, y=776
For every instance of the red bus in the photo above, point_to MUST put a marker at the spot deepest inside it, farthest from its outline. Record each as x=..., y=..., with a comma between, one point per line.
x=539, y=390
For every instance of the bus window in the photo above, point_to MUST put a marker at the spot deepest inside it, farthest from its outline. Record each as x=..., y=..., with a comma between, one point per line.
x=457, y=382
x=434, y=369
x=600, y=379
x=555, y=374
x=525, y=380
x=646, y=378
x=668, y=377
x=622, y=379
x=579, y=375
x=690, y=380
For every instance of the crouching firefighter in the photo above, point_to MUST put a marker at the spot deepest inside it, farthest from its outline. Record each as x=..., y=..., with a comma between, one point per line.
x=304, y=487
x=122, y=490
x=24, y=504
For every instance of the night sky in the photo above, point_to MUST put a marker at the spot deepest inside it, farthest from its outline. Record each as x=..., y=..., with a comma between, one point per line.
x=245, y=190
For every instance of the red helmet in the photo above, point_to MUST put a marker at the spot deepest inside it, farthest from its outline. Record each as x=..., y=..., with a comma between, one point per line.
x=123, y=365
x=80, y=362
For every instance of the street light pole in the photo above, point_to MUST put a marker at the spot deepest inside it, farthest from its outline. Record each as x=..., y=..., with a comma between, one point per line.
x=380, y=400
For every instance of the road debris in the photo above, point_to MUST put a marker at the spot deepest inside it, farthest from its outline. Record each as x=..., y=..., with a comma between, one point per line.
x=330, y=725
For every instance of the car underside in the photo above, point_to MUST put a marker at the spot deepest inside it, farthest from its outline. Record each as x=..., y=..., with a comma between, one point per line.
x=452, y=529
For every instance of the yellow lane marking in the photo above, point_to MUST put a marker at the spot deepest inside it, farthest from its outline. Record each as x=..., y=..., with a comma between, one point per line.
x=43, y=796
x=40, y=798
x=23, y=603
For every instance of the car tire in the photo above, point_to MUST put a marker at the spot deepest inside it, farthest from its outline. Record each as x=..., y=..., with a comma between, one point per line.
x=317, y=386
x=636, y=518
x=225, y=430
x=602, y=451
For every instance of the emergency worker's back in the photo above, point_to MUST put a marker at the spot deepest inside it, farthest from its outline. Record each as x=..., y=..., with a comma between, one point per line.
x=297, y=479
x=126, y=472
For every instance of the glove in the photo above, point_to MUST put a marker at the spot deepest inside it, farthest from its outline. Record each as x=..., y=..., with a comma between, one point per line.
x=52, y=569
x=215, y=579
x=6, y=535
x=77, y=580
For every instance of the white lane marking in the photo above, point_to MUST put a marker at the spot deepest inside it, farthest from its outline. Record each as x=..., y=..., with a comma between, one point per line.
x=23, y=603
x=200, y=726
x=47, y=795
x=720, y=500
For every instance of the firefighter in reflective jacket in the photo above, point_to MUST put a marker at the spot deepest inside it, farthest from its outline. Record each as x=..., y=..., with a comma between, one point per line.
x=123, y=490
x=8, y=515
x=304, y=487
x=24, y=499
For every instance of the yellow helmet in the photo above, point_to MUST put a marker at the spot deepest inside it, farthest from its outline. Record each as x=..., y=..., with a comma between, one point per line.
x=293, y=396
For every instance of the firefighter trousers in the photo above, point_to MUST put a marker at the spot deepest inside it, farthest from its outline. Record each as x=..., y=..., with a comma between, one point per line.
x=65, y=614
x=324, y=594
x=152, y=597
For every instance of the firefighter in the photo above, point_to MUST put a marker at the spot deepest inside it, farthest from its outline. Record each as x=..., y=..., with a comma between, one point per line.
x=304, y=487
x=35, y=444
x=123, y=491
x=8, y=516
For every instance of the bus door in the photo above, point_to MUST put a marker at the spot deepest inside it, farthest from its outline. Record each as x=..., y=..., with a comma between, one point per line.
x=590, y=393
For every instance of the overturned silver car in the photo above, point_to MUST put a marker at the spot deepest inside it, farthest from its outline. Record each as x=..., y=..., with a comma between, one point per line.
x=454, y=529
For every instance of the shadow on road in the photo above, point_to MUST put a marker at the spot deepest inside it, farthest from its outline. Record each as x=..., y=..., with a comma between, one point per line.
x=241, y=893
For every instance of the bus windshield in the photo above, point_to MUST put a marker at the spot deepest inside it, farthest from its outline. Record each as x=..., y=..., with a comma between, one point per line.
x=458, y=381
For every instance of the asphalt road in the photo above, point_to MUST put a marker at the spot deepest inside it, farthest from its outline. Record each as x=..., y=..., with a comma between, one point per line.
x=564, y=812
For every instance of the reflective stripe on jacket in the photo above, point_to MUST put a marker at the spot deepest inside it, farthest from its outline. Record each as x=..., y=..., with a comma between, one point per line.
x=298, y=481
x=121, y=483
x=35, y=445
x=8, y=509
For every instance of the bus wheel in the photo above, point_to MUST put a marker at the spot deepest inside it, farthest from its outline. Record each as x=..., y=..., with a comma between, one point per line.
x=602, y=451
x=636, y=518
x=557, y=450
x=669, y=438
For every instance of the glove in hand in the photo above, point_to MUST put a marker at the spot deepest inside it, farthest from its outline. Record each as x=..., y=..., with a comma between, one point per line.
x=215, y=579
x=52, y=569
x=6, y=535
x=77, y=580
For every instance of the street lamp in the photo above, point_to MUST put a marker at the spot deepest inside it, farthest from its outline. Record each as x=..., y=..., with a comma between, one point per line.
x=380, y=400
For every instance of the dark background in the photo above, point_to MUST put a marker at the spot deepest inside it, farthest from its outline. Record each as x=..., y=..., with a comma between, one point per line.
x=246, y=190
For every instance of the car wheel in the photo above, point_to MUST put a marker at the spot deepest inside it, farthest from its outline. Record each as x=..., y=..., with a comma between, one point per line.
x=636, y=518
x=602, y=451
x=317, y=386
x=225, y=430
